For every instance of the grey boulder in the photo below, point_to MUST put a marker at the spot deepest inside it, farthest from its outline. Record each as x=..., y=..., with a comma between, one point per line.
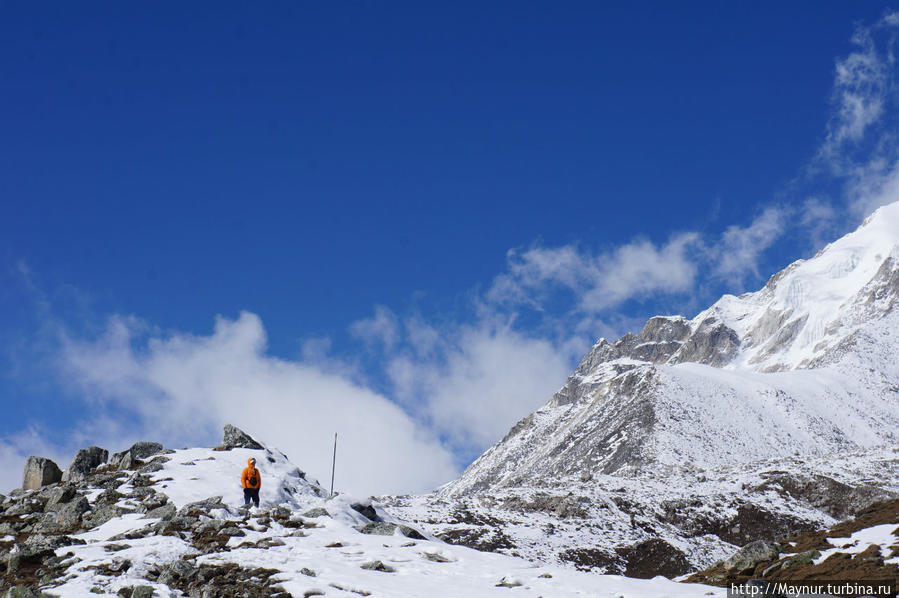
x=138, y=451
x=751, y=555
x=236, y=438
x=85, y=461
x=40, y=471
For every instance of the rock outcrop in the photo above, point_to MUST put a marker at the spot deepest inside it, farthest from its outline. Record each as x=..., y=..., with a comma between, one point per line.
x=234, y=437
x=40, y=471
x=85, y=461
x=135, y=454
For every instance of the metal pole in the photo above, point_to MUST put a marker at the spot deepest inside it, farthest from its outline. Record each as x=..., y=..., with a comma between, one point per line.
x=333, y=463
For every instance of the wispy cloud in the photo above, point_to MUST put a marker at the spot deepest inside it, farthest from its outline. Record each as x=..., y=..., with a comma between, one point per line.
x=862, y=82
x=861, y=144
x=382, y=328
x=636, y=269
x=737, y=252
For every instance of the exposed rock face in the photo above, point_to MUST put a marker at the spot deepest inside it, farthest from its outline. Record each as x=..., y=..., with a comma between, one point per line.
x=713, y=344
x=40, y=471
x=236, y=438
x=85, y=461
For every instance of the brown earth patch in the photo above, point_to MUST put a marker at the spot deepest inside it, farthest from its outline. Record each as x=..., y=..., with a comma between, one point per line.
x=865, y=566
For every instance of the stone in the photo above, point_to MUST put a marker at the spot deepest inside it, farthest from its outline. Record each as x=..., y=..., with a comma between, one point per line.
x=59, y=495
x=386, y=528
x=436, y=557
x=68, y=515
x=101, y=515
x=21, y=591
x=165, y=512
x=751, y=555
x=142, y=592
x=803, y=558
x=85, y=461
x=366, y=510
x=206, y=505
x=378, y=566
x=316, y=512
x=234, y=437
x=40, y=471
x=138, y=451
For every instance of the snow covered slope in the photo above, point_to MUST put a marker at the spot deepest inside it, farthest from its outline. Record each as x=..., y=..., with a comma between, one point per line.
x=806, y=365
x=174, y=525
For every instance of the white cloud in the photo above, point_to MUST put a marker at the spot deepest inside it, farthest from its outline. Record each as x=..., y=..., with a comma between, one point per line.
x=184, y=387
x=639, y=269
x=486, y=378
x=862, y=82
x=634, y=270
x=861, y=145
x=382, y=328
x=739, y=249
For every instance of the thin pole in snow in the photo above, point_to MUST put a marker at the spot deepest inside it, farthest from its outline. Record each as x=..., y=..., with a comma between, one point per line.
x=333, y=463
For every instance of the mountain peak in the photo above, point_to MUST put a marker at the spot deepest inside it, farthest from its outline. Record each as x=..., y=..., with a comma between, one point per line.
x=801, y=363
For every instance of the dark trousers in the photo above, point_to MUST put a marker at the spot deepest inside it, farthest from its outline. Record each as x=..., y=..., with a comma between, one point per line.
x=251, y=494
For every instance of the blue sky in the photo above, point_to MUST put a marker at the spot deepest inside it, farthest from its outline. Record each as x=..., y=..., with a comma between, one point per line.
x=402, y=222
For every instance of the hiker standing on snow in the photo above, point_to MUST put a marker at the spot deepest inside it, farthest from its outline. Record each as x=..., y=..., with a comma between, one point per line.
x=251, y=481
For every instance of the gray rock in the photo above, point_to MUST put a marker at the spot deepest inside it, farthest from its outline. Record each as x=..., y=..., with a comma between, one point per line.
x=40, y=471
x=153, y=466
x=85, y=461
x=165, y=512
x=178, y=570
x=45, y=544
x=21, y=591
x=386, y=528
x=59, y=495
x=138, y=451
x=378, y=566
x=206, y=505
x=713, y=344
x=64, y=516
x=367, y=510
x=751, y=555
x=236, y=438
x=238, y=533
x=101, y=515
x=142, y=592
x=316, y=512
x=212, y=526
x=25, y=507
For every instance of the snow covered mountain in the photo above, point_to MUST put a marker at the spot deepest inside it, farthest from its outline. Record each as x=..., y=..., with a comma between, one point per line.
x=766, y=415
x=806, y=365
x=153, y=522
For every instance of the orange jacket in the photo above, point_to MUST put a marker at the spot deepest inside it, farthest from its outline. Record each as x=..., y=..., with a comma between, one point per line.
x=249, y=472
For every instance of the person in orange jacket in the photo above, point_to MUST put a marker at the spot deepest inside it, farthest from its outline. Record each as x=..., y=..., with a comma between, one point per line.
x=251, y=482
